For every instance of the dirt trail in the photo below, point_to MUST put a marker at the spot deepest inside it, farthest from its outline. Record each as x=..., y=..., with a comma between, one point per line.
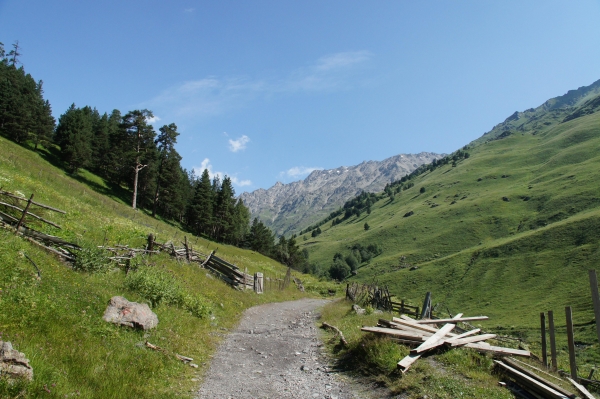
x=275, y=353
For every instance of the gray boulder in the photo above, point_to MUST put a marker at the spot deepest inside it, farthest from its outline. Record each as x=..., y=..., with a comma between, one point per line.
x=13, y=363
x=358, y=309
x=132, y=314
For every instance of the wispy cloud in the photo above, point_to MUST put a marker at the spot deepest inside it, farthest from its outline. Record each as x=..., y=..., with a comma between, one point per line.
x=152, y=120
x=213, y=95
x=298, y=172
x=239, y=144
x=188, y=10
x=205, y=164
x=342, y=60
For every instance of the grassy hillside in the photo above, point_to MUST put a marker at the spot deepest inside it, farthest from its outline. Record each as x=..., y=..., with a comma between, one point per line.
x=509, y=232
x=56, y=321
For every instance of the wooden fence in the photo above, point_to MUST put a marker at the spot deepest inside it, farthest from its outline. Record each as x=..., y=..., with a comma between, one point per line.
x=379, y=298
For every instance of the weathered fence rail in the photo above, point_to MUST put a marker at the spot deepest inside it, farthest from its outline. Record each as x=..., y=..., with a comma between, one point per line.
x=379, y=298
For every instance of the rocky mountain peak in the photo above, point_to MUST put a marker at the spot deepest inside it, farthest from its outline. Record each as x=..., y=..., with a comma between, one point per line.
x=288, y=208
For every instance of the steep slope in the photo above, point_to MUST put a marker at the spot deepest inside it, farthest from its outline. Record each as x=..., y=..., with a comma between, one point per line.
x=56, y=319
x=286, y=208
x=573, y=104
x=509, y=232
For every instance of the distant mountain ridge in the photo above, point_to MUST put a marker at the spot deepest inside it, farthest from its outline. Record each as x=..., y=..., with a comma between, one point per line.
x=571, y=105
x=288, y=208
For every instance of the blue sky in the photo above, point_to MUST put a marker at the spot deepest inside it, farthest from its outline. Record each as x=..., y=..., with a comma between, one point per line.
x=267, y=91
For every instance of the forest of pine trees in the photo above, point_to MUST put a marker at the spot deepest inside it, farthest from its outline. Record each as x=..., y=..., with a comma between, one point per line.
x=127, y=152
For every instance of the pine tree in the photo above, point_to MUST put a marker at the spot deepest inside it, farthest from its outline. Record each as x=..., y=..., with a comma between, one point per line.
x=74, y=136
x=224, y=211
x=200, y=210
x=140, y=135
x=168, y=176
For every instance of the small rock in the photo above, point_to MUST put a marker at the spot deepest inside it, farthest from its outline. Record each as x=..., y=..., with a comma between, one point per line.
x=132, y=314
x=358, y=309
x=13, y=363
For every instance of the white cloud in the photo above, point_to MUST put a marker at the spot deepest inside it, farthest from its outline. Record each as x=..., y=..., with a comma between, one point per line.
x=205, y=164
x=239, y=144
x=298, y=171
x=342, y=60
x=152, y=120
x=189, y=10
x=214, y=95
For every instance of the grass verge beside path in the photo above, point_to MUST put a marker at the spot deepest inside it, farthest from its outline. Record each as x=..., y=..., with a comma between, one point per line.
x=456, y=373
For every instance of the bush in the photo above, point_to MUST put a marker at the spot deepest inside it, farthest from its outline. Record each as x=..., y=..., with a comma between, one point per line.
x=352, y=262
x=154, y=284
x=158, y=286
x=92, y=260
x=339, y=270
x=367, y=227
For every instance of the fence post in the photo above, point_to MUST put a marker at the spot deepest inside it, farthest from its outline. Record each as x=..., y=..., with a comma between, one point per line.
x=150, y=246
x=552, y=340
x=571, y=342
x=596, y=300
x=258, y=282
x=24, y=213
x=543, y=330
x=426, y=305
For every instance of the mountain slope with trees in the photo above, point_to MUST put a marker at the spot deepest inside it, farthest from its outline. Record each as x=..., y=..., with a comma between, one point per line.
x=136, y=164
x=509, y=230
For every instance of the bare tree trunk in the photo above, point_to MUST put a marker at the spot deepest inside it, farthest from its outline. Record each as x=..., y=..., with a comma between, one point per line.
x=135, y=182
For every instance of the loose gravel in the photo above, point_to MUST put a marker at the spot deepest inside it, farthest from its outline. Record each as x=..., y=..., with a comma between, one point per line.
x=275, y=352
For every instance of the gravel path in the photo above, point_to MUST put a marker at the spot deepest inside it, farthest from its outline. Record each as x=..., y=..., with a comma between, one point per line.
x=275, y=353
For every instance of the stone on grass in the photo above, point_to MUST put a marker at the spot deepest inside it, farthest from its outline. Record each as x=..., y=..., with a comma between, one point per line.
x=358, y=309
x=132, y=314
x=13, y=363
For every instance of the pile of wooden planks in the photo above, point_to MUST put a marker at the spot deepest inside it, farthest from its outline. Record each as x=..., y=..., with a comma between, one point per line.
x=229, y=273
x=424, y=336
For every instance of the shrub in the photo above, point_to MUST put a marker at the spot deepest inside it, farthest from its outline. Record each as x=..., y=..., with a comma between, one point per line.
x=339, y=270
x=154, y=284
x=367, y=227
x=422, y=190
x=158, y=286
x=92, y=260
x=352, y=262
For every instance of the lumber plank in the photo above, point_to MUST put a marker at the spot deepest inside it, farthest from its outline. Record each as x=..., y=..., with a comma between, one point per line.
x=422, y=327
x=532, y=383
x=395, y=333
x=533, y=375
x=481, y=346
x=468, y=340
x=465, y=334
x=581, y=389
x=405, y=363
x=444, y=321
x=437, y=338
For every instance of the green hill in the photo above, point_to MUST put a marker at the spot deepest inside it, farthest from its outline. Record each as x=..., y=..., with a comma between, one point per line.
x=57, y=321
x=508, y=232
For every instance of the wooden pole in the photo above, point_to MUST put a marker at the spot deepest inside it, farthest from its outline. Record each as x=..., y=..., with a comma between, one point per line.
x=187, y=250
x=24, y=213
x=571, y=342
x=596, y=300
x=552, y=340
x=426, y=305
x=543, y=331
